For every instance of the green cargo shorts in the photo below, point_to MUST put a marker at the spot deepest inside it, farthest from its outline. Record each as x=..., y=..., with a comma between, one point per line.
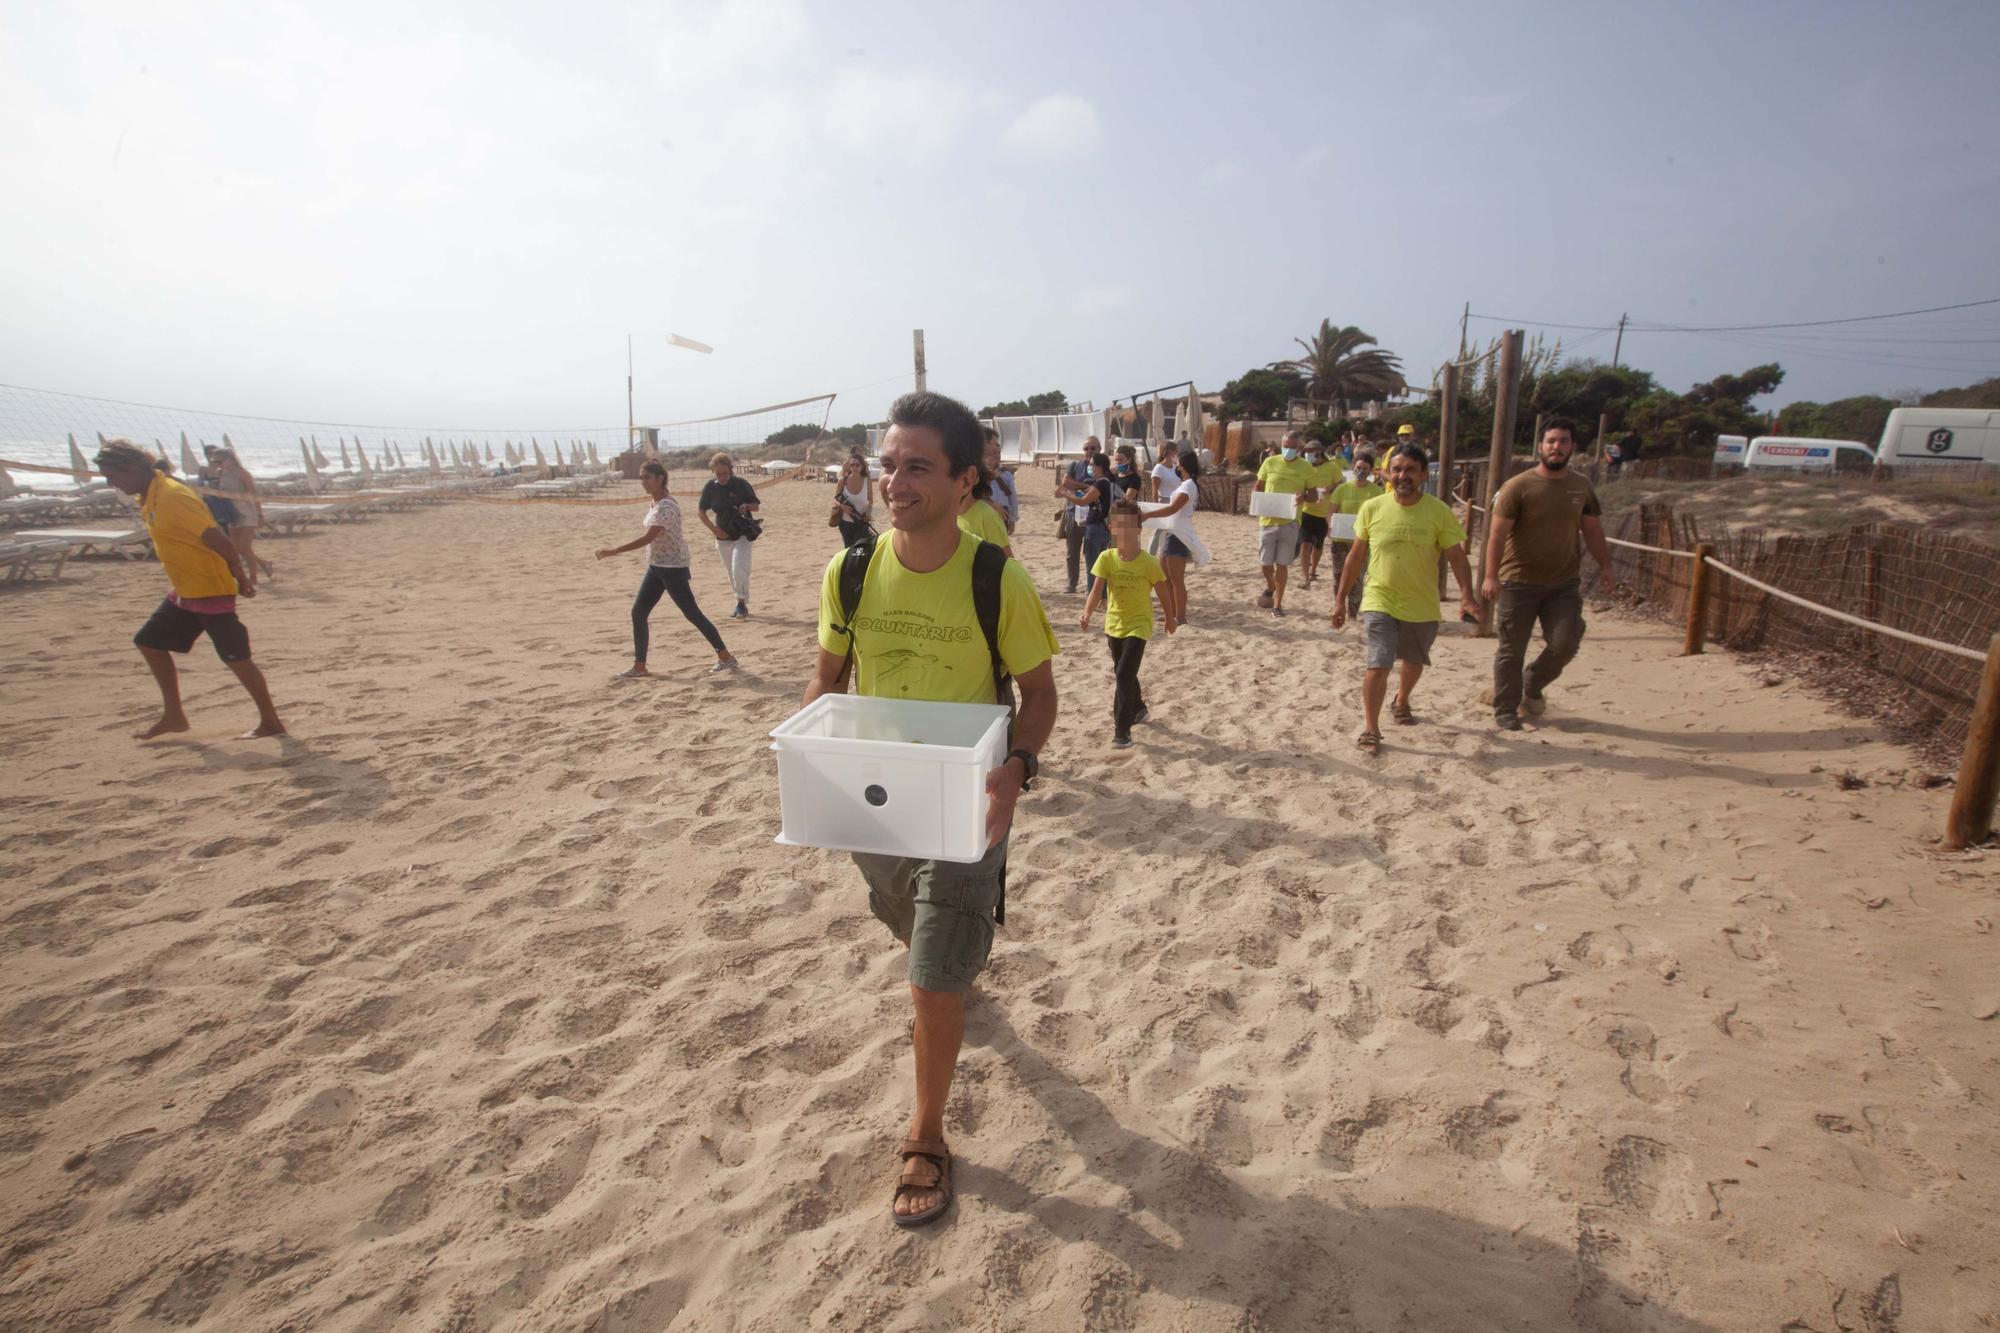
x=942, y=909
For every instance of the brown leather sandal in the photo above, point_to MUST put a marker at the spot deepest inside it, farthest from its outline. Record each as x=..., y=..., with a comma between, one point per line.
x=1400, y=710
x=926, y=1166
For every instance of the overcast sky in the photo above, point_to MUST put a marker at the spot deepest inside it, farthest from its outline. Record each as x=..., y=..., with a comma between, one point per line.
x=455, y=213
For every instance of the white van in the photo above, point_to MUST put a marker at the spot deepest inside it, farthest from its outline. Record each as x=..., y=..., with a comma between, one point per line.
x=1797, y=453
x=1729, y=453
x=1919, y=435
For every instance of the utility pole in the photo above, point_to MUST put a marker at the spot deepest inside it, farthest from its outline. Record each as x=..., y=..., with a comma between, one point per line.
x=1447, y=442
x=629, y=432
x=1461, y=329
x=1618, y=343
x=919, y=337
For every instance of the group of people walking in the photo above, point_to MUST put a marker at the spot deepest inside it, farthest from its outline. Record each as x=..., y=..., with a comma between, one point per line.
x=940, y=612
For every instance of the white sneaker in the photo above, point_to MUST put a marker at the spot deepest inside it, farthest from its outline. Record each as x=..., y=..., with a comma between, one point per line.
x=730, y=665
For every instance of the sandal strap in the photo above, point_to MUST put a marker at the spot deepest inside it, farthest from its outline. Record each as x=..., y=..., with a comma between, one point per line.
x=921, y=1173
x=925, y=1147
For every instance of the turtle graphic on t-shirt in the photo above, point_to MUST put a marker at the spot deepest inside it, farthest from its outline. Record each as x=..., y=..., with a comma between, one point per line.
x=903, y=662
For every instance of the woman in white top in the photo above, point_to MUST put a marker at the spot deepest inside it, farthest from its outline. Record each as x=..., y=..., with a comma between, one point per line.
x=666, y=572
x=851, y=503
x=1180, y=543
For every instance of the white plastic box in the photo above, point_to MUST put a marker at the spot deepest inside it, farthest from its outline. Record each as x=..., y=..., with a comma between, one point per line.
x=1274, y=504
x=1340, y=527
x=1150, y=524
x=902, y=777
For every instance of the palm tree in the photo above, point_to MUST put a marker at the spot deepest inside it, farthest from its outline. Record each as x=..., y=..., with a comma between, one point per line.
x=1337, y=366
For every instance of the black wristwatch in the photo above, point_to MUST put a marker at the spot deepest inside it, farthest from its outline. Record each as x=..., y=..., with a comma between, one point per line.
x=1029, y=766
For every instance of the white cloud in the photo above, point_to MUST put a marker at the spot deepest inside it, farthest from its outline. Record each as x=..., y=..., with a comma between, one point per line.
x=1103, y=300
x=908, y=115
x=1056, y=128
x=1225, y=173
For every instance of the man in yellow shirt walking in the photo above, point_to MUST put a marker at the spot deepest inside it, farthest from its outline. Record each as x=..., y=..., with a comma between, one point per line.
x=1285, y=473
x=1398, y=537
x=207, y=578
x=915, y=632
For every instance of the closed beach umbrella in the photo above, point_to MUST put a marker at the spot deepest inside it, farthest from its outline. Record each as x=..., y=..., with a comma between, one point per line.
x=539, y=460
x=489, y=451
x=79, y=467
x=305, y=455
x=1195, y=429
x=367, y=477
x=593, y=451
x=345, y=466
x=188, y=467
x=7, y=486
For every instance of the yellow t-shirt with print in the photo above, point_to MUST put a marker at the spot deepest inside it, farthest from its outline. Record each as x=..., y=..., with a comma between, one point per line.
x=175, y=518
x=1128, y=592
x=1404, y=542
x=917, y=636
x=1324, y=477
x=983, y=521
x=1283, y=477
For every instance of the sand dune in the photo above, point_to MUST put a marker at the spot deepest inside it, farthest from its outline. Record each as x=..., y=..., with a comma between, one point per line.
x=485, y=1001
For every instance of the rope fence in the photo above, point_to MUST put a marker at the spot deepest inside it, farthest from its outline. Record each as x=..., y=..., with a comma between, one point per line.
x=1936, y=680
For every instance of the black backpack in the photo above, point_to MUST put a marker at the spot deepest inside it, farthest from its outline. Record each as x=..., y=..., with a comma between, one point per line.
x=988, y=562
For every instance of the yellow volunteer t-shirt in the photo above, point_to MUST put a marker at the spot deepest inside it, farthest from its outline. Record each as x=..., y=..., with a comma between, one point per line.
x=917, y=636
x=1349, y=496
x=1404, y=542
x=1128, y=592
x=1284, y=478
x=1324, y=477
x=175, y=518
x=984, y=522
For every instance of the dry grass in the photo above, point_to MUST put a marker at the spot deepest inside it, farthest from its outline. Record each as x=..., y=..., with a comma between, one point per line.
x=1813, y=506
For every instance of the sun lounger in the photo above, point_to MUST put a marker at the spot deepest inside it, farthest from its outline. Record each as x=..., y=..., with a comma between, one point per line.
x=132, y=543
x=19, y=558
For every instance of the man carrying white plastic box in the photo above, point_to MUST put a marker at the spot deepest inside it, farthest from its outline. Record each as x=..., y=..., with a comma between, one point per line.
x=1278, y=538
x=916, y=632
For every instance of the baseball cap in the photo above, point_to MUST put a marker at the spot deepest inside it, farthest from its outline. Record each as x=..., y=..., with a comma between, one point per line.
x=1405, y=429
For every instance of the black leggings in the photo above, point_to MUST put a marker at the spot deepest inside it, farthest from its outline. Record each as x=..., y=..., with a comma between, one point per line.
x=1125, y=698
x=674, y=583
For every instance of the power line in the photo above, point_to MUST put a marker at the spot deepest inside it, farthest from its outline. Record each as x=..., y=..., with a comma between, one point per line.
x=1648, y=327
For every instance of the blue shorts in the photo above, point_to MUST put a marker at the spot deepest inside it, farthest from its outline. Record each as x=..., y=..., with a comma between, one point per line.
x=222, y=511
x=1175, y=546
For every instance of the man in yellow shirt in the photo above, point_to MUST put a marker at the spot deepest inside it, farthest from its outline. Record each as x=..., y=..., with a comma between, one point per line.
x=1313, y=513
x=1399, y=537
x=1284, y=473
x=206, y=578
x=915, y=633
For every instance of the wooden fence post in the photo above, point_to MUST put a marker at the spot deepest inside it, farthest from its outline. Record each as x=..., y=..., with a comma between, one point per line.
x=1971, y=817
x=1507, y=389
x=1697, y=622
x=1447, y=442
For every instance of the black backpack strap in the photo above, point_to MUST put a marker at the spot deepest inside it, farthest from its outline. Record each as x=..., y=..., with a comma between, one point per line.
x=989, y=564
x=854, y=564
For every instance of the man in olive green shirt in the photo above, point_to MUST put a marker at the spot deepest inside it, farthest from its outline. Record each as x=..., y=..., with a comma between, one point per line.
x=1534, y=567
x=1399, y=537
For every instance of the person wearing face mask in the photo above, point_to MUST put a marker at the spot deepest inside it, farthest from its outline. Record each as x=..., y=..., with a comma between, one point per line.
x=1313, y=513
x=1348, y=497
x=1125, y=470
x=1073, y=516
x=1399, y=537
x=1285, y=473
x=1533, y=566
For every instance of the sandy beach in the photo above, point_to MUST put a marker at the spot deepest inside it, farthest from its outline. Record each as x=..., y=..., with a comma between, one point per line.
x=485, y=999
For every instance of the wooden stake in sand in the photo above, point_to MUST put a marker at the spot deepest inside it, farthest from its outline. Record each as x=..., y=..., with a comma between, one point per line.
x=1971, y=816
x=1697, y=621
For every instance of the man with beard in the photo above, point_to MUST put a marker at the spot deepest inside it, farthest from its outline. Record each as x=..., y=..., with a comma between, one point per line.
x=1398, y=538
x=1533, y=567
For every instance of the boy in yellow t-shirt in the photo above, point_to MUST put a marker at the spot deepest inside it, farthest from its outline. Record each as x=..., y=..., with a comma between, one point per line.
x=1130, y=577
